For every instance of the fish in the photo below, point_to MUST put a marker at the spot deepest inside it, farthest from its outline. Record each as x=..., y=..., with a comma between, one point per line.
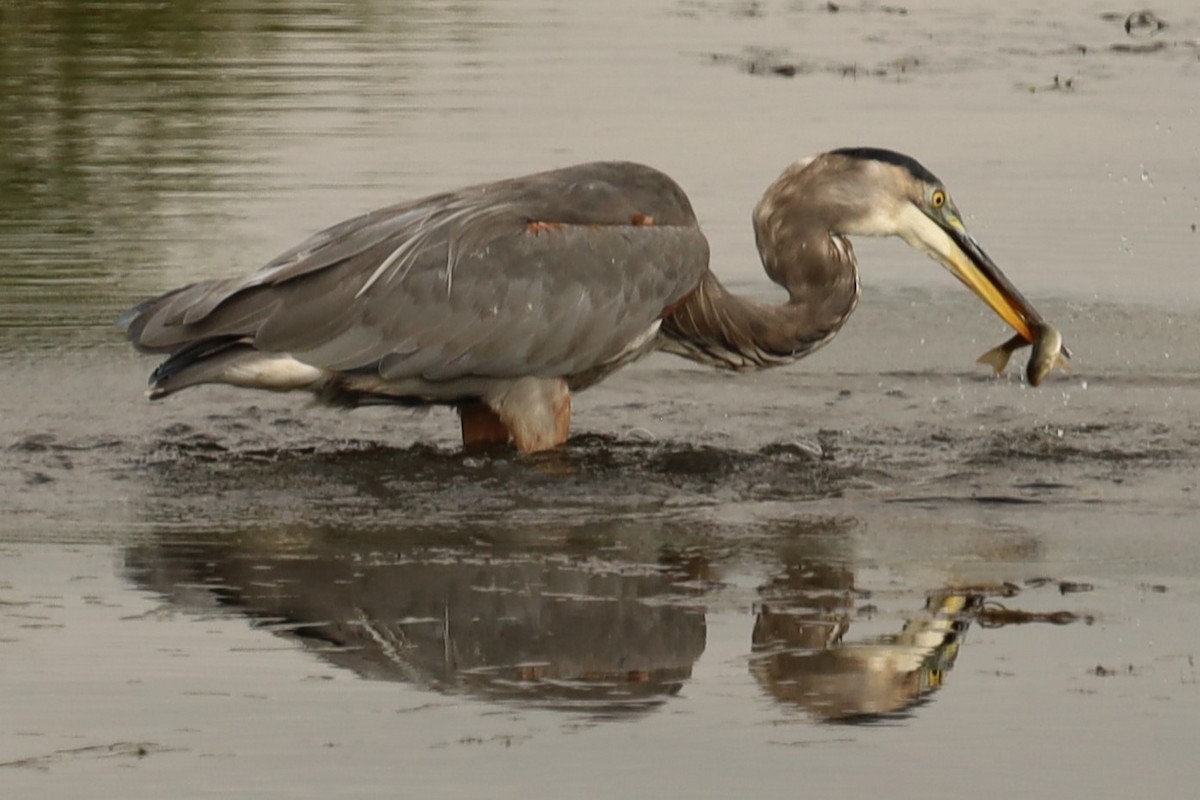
x=997, y=358
x=1048, y=353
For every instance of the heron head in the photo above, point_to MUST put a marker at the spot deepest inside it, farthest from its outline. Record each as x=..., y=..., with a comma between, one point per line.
x=883, y=193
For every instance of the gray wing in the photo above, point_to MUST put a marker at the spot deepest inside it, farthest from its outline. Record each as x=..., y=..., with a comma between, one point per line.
x=551, y=274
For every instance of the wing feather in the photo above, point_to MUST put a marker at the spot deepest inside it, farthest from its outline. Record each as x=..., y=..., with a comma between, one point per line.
x=463, y=284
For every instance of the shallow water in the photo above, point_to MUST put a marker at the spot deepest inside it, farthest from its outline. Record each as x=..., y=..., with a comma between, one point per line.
x=879, y=570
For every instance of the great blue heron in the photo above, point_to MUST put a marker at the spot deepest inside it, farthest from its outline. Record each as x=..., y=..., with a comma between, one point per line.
x=503, y=298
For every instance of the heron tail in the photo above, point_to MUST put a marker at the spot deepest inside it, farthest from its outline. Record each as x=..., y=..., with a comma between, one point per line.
x=199, y=362
x=233, y=361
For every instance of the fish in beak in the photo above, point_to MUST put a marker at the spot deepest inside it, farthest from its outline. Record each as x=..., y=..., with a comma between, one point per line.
x=941, y=233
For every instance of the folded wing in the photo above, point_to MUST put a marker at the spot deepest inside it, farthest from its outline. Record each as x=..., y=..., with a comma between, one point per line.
x=547, y=275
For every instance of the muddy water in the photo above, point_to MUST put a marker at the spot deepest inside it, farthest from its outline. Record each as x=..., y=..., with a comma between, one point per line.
x=879, y=570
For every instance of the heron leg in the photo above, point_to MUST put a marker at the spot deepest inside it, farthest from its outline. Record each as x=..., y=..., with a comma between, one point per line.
x=481, y=427
x=537, y=411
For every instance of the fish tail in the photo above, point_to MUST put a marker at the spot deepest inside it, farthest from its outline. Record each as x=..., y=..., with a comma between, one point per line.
x=996, y=358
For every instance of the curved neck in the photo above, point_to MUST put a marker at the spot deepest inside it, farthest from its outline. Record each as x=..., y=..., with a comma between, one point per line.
x=803, y=252
x=716, y=327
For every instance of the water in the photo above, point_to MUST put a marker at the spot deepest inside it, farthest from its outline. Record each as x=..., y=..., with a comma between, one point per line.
x=879, y=570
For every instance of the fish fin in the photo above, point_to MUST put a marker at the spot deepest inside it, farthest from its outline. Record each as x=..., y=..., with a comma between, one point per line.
x=996, y=358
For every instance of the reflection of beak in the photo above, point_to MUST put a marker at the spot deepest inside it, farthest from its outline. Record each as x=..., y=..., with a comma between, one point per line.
x=957, y=250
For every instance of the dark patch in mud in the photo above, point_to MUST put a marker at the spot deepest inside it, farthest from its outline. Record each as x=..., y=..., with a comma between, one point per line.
x=51, y=443
x=995, y=615
x=593, y=476
x=126, y=750
x=785, y=64
x=235, y=468
x=1055, y=84
x=42, y=457
x=1064, y=587
x=1101, y=671
x=957, y=55
x=1042, y=486
x=1083, y=443
x=984, y=499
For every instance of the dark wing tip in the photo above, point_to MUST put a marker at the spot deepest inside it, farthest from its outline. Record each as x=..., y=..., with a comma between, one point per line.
x=126, y=320
x=180, y=370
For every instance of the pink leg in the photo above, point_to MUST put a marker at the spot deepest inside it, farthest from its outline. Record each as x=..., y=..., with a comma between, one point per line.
x=481, y=427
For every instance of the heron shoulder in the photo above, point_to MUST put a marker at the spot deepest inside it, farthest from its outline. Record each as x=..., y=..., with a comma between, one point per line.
x=602, y=193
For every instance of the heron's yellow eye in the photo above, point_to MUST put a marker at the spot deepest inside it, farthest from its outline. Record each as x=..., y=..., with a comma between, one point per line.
x=938, y=199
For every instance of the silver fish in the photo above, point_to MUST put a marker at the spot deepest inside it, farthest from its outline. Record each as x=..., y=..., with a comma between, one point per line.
x=1048, y=353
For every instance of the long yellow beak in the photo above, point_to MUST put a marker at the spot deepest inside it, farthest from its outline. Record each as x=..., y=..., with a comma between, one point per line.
x=971, y=265
x=947, y=241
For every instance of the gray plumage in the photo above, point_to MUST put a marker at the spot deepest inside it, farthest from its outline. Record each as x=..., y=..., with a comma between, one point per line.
x=456, y=285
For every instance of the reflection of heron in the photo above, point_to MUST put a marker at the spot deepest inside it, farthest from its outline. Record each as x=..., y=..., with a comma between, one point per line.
x=500, y=299
x=523, y=618
x=801, y=658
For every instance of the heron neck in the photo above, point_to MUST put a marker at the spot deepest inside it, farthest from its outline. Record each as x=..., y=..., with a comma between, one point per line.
x=716, y=327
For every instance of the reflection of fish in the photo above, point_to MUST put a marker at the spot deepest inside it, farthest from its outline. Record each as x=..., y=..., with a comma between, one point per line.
x=1048, y=353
